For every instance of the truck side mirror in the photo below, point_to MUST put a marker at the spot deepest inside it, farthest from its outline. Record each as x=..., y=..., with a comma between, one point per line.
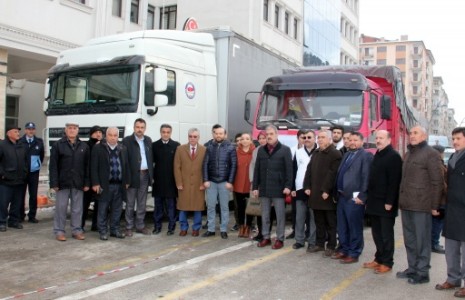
x=247, y=110
x=386, y=111
x=160, y=100
x=160, y=81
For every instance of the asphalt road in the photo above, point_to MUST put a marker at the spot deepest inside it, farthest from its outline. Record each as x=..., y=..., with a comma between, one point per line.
x=36, y=266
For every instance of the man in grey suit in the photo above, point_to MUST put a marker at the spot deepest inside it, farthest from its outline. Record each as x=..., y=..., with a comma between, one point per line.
x=352, y=187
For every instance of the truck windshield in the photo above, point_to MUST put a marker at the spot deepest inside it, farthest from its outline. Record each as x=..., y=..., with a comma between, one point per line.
x=311, y=108
x=109, y=89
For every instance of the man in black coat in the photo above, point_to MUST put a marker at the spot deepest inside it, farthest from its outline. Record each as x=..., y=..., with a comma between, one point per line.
x=110, y=179
x=13, y=173
x=69, y=177
x=35, y=154
x=382, y=204
x=164, y=189
x=454, y=221
x=141, y=171
x=272, y=182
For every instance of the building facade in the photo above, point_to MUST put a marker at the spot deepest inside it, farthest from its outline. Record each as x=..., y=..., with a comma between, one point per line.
x=415, y=62
x=349, y=32
x=32, y=38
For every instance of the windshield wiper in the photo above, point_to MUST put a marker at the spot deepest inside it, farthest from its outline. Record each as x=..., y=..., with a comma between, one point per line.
x=281, y=121
x=318, y=119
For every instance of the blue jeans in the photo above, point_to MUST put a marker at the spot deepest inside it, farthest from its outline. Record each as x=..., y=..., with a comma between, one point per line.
x=350, y=226
x=185, y=224
x=218, y=192
x=113, y=199
x=158, y=212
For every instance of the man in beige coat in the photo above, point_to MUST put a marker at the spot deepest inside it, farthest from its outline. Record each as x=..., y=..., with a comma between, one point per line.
x=188, y=162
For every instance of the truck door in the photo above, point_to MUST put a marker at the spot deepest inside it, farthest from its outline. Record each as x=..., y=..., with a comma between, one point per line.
x=374, y=121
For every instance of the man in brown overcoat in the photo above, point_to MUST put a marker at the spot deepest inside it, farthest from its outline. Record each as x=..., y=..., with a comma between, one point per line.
x=188, y=162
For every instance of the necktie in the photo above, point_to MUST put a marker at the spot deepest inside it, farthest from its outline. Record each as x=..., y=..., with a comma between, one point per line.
x=29, y=141
x=193, y=153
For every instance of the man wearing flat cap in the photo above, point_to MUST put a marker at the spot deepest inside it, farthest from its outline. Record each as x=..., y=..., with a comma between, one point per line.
x=13, y=173
x=34, y=147
x=69, y=177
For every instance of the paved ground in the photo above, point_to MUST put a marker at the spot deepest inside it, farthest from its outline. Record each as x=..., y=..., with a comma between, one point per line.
x=35, y=266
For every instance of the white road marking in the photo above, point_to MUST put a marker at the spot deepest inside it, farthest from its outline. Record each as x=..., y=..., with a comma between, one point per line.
x=127, y=281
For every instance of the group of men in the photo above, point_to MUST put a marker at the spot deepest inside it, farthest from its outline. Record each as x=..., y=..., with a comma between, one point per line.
x=334, y=182
x=20, y=162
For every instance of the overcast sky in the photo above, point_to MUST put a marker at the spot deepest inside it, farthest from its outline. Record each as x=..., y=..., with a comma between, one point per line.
x=440, y=24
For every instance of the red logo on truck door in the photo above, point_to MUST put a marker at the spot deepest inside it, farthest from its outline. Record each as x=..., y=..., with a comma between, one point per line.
x=190, y=90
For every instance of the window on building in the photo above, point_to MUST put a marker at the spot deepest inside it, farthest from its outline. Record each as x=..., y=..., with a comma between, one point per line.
x=368, y=51
x=415, y=90
x=381, y=62
x=266, y=10
x=276, y=16
x=168, y=17
x=134, y=11
x=415, y=76
x=296, y=28
x=415, y=103
x=11, y=111
x=400, y=48
x=400, y=61
x=381, y=49
x=286, y=22
x=415, y=63
x=150, y=17
x=116, y=8
x=416, y=50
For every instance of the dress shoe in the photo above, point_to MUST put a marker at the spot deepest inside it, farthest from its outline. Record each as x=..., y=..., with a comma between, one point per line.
x=184, y=233
x=144, y=231
x=246, y=232
x=2, y=228
x=438, y=249
x=328, y=253
x=277, y=245
x=405, y=274
x=264, y=243
x=460, y=293
x=291, y=236
x=338, y=255
x=446, y=286
x=224, y=235
x=33, y=220
x=371, y=265
x=118, y=235
x=129, y=232
x=60, y=237
x=104, y=237
x=156, y=231
x=16, y=225
x=381, y=269
x=79, y=236
x=208, y=234
x=314, y=249
x=348, y=260
x=195, y=233
x=205, y=226
x=418, y=279
x=297, y=246
x=170, y=232
x=235, y=227
x=241, y=231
